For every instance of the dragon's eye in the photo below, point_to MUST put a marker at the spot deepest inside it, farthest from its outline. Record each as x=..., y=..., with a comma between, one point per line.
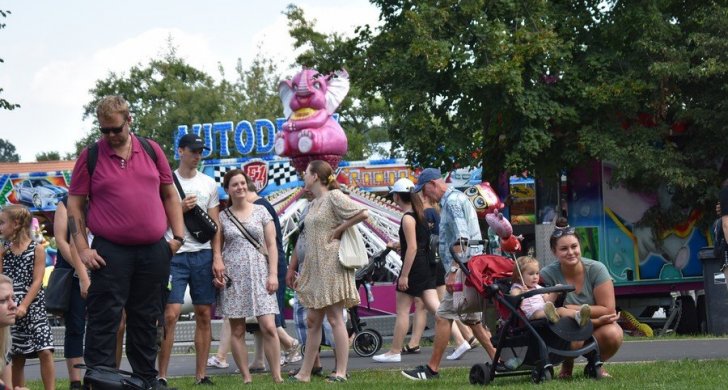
x=471, y=191
x=317, y=85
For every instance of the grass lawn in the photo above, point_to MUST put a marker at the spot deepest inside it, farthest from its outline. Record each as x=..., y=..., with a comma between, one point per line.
x=685, y=374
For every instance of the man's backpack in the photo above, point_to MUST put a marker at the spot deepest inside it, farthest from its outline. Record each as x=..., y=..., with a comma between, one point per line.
x=433, y=249
x=93, y=154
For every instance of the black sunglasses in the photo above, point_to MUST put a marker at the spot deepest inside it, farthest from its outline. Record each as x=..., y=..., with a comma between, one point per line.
x=564, y=231
x=115, y=130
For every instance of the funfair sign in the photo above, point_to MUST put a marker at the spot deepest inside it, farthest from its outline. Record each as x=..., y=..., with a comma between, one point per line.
x=257, y=138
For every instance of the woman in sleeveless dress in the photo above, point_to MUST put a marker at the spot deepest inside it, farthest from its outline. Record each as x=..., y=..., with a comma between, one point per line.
x=417, y=278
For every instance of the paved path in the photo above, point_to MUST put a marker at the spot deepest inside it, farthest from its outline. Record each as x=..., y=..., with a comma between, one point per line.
x=633, y=351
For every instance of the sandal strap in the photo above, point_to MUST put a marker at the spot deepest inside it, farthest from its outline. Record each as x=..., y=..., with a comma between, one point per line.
x=408, y=349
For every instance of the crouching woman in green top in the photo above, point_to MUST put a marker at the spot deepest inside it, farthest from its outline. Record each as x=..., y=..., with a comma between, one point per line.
x=593, y=287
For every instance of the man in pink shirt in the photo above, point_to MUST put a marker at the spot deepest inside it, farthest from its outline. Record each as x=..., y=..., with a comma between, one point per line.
x=131, y=199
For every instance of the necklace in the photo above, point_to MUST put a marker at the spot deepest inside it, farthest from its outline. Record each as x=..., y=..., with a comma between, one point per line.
x=125, y=160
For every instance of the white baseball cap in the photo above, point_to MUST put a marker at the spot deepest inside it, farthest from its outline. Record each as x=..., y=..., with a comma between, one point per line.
x=402, y=185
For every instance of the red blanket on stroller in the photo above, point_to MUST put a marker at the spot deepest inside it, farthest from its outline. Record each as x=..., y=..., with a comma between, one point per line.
x=484, y=269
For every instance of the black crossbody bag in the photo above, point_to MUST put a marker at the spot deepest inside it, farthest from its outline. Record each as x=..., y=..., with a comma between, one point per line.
x=197, y=221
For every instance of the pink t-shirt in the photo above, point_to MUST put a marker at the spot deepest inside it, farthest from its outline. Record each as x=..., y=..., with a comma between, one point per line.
x=125, y=204
x=530, y=305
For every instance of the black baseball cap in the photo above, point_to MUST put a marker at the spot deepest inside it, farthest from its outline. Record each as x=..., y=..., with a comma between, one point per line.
x=192, y=141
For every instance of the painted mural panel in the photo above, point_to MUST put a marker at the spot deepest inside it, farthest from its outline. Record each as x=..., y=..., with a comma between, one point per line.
x=39, y=191
x=632, y=252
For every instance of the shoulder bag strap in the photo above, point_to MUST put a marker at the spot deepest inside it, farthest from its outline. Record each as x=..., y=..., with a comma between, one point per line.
x=178, y=185
x=260, y=248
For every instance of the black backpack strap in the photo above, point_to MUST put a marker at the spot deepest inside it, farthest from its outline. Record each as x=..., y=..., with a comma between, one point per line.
x=92, y=158
x=93, y=154
x=148, y=148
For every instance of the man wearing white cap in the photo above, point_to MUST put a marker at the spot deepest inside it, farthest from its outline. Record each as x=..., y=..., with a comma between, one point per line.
x=458, y=220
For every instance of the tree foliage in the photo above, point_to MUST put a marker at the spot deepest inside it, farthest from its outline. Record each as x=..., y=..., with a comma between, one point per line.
x=168, y=92
x=546, y=86
x=7, y=151
x=4, y=104
x=48, y=156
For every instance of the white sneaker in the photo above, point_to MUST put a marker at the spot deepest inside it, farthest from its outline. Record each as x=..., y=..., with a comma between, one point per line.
x=213, y=361
x=459, y=351
x=388, y=358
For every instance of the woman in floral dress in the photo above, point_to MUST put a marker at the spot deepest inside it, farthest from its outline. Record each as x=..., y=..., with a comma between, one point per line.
x=248, y=280
x=324, y=286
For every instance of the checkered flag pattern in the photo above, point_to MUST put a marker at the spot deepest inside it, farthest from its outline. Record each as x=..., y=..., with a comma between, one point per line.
x=220, y=171
x=282, y=173
x=279, y=173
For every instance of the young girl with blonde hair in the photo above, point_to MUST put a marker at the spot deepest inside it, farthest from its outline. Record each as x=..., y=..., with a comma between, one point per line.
x=525, y=278
x=24, y=261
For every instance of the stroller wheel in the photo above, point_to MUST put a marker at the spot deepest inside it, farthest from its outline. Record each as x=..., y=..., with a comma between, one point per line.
x=592, y=371
x=480, y=374
x=539, y=375
x=367, y=342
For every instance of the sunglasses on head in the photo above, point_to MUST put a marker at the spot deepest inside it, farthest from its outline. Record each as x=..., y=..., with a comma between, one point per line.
x=564, y=231
x=115, y=130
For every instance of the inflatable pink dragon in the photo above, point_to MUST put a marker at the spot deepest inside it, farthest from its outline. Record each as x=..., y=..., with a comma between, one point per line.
x=311, y=133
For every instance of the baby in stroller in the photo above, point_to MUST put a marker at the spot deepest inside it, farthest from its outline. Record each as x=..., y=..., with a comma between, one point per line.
x=528, y=346
x=526, y=278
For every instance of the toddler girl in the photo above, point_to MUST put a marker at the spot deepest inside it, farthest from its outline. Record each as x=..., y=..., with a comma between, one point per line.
x=24, y=261
x=525, y=278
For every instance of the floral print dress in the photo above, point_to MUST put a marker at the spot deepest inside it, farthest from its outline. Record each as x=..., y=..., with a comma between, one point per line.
x=247, y=268
x=323, y=281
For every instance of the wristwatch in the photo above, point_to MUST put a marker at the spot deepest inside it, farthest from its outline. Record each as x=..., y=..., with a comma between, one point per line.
x=453, y=269
x=181, y=240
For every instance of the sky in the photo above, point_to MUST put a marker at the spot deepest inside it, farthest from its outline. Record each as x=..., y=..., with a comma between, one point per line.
x=55, y=51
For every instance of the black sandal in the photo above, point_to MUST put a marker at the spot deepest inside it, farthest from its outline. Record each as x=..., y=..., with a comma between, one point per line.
x=316, y=371
x=407, y=350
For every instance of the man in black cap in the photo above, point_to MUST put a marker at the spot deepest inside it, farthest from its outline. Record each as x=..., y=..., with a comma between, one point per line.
x=193, y=264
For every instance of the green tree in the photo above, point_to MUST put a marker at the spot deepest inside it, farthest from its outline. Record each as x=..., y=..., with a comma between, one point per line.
x=168, y=92
x=4, y=104
x=253, y=94
x=651, y=99
x=162, y=95
x=48, y=156
x=547, y=86
x=7, y=151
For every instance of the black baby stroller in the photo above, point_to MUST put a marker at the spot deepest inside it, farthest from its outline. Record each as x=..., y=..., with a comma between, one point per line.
x=367, y=341
x=525, y=346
